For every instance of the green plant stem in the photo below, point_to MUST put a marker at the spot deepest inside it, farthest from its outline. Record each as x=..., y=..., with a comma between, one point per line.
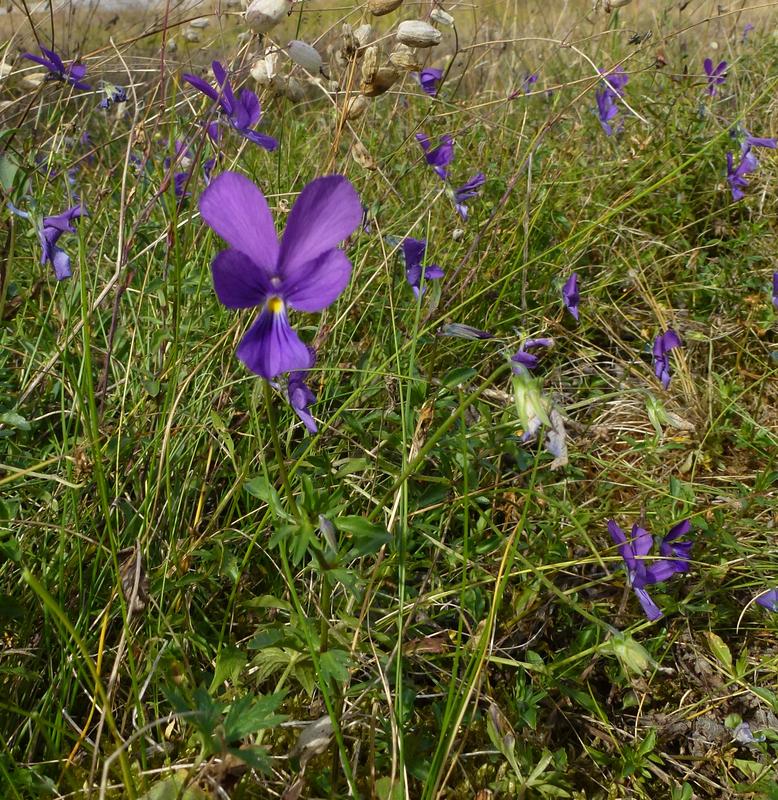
x=280, y=458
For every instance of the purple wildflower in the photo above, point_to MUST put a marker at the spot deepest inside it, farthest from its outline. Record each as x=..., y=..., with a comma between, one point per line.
x=466, y=191
x=525, y=361
x=49, y=233
x=716, y=75
x=242, y=112
x=606, y=109
x=775, y=290
x=305, y=271
x=570, y=295
x=746, y=30
x=299, y=394
x=616, y=80
x=736, y=175
x=415, y=272
x=113, y=94
x=529, y=81
x=674, y=558
x=663, y=344
x=429, y=78
x=71, y=74
x=438, y=157
x=769, y=599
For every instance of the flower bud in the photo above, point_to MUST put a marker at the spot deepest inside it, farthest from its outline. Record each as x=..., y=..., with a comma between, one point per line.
x=416, y=33
x=305, y=55
x=380, y=7
x=262, y=15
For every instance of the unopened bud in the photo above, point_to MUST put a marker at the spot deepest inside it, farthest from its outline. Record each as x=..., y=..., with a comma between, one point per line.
x=416, y=33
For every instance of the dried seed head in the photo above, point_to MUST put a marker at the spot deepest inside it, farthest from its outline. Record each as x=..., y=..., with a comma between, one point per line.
x=369, y=63
x=383, y=80
x=363, y=34
x=305, y=55
x=405, y=58
x=201, y=22
x=356, y=106
x=442, y=17
x=262, y=15
x=264, y=69
x=191, y=35
x=611, y=4
x=289, y=87
x=380, y=7
x=361, y=155
x=416, y=33
x=348, y=43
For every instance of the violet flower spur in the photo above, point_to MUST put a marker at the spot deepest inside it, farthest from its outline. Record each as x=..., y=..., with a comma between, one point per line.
x=429, y=78
x=769, y=599
x=571, y=296
x=466, y=191
x=716, y=75
x=413, y=252
x=663, y=344
x=300, y=396
x=243, y=112
x=305, y=271
x=71, y=74
x=438, y=157
x=48, y=235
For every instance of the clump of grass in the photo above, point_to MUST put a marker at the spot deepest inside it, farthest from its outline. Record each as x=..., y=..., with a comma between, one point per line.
x=201, y=599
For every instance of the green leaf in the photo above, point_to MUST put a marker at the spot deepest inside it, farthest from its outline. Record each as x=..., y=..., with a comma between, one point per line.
x=14, y=420
x=368, y=538
x=255, y=757
x=459, y=376
x=8, y=170
x=720, y=650
x=262, y=489
x=11, y=550
x=229, y=664
x=249, y=715
x=334, y=664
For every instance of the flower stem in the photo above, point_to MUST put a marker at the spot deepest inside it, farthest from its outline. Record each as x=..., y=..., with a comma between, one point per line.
x=280, y=460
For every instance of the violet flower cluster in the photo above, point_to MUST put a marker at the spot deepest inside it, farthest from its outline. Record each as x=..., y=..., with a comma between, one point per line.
x=49, y=234
x=716, y=75
x=663, y=344
x=57, y=71
x=415, y=273
x=674, y=557
x=736, y=175
x=242, y=112
x=440, y=158
x=611, y=90
x=305, y=271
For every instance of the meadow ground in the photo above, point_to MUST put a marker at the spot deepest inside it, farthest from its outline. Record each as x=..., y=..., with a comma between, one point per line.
x=203, y=597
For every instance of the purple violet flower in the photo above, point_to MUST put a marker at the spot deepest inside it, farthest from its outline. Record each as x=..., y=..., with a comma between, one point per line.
x=438, y=157
x=571, y=296
x=716, y=75
x=769, y=599
x=746, y=30
x=525, y=361
x=663, y=344
x=616, y=80
x=299, y=394
x=613, y=88
x=466, y=191
x=305, y=271
x=775, y=290
x=529, y=81
x=71, y=74
x=48, y=235
x=113, y=94
x=242, y=112
x=429, y=78
x=413, y=251
x=674, y=558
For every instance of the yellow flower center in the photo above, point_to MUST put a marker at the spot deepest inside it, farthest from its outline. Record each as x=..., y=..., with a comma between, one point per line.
x=275, y=305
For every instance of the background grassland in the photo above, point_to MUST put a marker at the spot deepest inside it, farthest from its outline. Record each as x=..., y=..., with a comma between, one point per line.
x=472, y=630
